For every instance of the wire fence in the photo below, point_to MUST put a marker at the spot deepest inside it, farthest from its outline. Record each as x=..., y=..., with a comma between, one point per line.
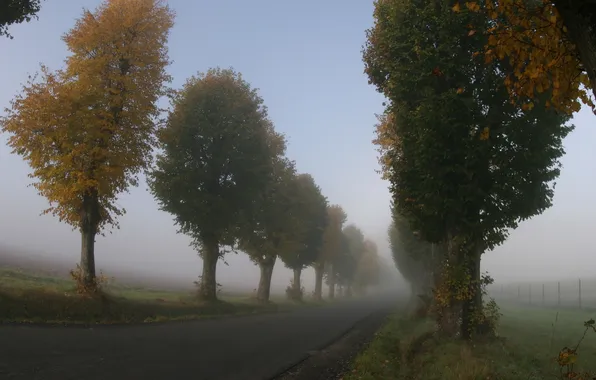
x=579, y=294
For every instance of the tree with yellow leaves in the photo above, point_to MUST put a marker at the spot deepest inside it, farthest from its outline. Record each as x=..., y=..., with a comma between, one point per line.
x=87, y=131
x=550, y=44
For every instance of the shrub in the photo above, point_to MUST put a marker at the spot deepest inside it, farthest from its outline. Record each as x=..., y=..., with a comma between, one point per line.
x=84, y=289
x=293, y=293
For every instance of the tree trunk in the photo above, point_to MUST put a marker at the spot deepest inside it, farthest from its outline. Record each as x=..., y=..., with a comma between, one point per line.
x=349, y=291
x=449, y=315
x=210, y=255
x=264, y=290
x=296, y=284
x=319, y=270
x=90, y=218
x=340, y=291
x=472, y=306
x=331, y=275
x=580, y=22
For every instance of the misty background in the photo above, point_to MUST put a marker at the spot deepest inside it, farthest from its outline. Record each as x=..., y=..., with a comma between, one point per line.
x=305, y=59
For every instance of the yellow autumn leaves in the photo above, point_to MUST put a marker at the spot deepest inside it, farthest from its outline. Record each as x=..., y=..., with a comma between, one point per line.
x=533, y=39
x=90, y=128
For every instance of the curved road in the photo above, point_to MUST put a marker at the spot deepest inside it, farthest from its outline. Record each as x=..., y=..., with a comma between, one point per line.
x=257, y=347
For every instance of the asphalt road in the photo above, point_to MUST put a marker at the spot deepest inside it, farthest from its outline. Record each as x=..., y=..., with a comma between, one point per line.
x=257, y=347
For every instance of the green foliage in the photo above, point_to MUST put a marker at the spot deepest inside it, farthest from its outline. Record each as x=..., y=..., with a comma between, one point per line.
x=463, y=161
x=16, y=12
x=275, y=226
x=310, y=213
x=488, y=317
x=465, y=164
x=217, y=157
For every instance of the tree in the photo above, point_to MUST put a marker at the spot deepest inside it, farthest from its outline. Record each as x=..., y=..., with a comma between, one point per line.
x=416, y=260
x=275, y=226
x=331, y=248
x=368, y=268
x=346, y=263
x=310, y=213
x=466, y=164
x=550, y=44
x=217, y=161
x=16, y=12
x=87, y=131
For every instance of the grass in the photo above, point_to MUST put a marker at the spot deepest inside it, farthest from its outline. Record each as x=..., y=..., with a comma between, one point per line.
x=27, y=297
x=525, y=350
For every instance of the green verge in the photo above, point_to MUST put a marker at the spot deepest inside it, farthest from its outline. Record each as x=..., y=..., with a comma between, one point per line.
x=27, y=297
x=529, y=342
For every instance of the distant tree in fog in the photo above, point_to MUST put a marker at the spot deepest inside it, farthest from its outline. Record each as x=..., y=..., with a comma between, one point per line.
x=310, y=213
x=276, y=227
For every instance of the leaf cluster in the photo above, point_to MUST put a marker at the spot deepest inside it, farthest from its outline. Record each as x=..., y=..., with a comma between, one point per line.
x=218, y=157
x=533, y=38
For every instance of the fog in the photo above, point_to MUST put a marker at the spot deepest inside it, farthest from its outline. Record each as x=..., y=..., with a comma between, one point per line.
x=310, y=74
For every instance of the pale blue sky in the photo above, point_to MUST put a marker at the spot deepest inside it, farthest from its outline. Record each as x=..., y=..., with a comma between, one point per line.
x=305, y=59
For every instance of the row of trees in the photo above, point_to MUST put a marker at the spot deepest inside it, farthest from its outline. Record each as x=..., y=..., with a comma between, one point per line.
x=467, y=158
x=89, y=130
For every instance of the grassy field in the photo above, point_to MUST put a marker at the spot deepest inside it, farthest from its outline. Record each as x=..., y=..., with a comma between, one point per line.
x=41, y=298
x=525, y=350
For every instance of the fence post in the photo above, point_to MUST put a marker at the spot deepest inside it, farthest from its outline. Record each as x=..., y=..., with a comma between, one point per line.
x=559, y=294
x=580, y=293
x=542, y=294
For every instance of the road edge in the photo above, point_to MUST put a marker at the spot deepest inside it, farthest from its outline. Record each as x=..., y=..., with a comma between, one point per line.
x=293, y=370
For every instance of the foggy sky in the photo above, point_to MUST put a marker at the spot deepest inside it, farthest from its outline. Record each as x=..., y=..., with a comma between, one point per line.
x=305, y=59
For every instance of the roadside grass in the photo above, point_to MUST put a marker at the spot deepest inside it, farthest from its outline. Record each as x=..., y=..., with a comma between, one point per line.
x=29, y=297
x=526, y=349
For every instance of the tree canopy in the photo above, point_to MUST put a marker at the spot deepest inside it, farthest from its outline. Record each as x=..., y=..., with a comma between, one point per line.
x=450, y=135
x=310, y=211
x=346, y=263
x=274, y=224
x=368, y=267
x=332, y=242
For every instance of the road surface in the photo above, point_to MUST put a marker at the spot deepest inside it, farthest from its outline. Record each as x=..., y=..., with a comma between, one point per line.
x=257, y=347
